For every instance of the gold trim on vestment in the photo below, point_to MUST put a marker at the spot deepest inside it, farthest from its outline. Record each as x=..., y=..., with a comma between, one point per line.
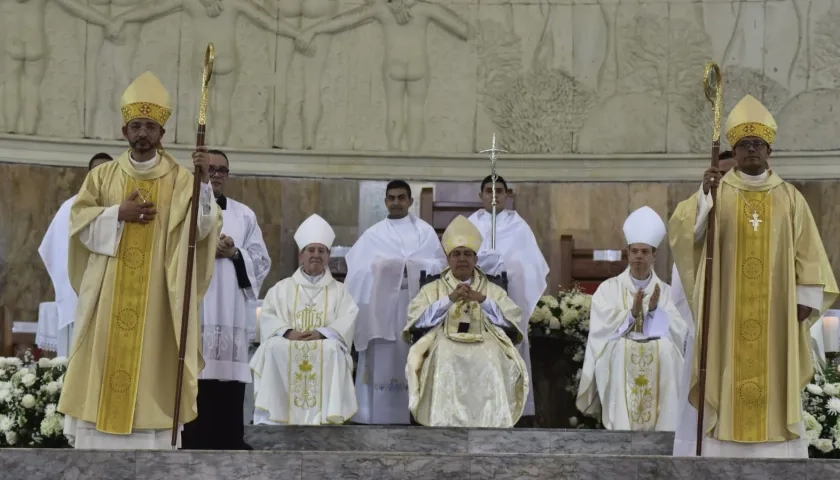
x=121, y=375
x=469, y=309
x=306, y=365
x=750, y=351
x=641, y=362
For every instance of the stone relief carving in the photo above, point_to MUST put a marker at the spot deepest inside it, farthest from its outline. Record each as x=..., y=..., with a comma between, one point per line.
x=641, y=94
x=405, y=68
x=25, y=56
x=214, y=22
x=302, y=14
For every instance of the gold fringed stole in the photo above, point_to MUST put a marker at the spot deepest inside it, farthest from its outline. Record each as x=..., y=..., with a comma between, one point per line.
x=751, y=321
x=306, y=358
x=121, y=377
x=641, y=383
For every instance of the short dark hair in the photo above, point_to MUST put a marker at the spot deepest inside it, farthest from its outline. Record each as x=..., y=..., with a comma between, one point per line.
x=489, y=179
x=726, y=155
x=98, y=156
x=219, y=152
x=397, y=185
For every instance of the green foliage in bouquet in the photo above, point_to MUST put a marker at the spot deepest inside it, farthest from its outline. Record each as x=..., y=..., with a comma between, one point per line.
x=29, y=393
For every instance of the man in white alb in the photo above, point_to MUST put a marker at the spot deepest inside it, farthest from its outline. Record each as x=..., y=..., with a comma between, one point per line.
x=383, y=275
x=303, y=372
x=242, y=263
x=633, y=359
x=518, y=254
x=55, y=319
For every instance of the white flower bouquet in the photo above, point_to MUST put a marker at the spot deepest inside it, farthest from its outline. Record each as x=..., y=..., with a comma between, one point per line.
x=566, y=317
x=821, y=413
x=29, y=393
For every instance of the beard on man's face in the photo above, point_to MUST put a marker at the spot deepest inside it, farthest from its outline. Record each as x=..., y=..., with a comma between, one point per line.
x=142, y=145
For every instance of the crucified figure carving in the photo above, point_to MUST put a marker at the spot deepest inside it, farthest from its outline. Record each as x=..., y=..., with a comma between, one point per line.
x=25, y=58
x=405, y=68
x=214, y=21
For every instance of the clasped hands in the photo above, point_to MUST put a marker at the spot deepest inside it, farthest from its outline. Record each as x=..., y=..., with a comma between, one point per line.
x=226, y=247
x=640, y=296
x=464, y=293
x=298, y=336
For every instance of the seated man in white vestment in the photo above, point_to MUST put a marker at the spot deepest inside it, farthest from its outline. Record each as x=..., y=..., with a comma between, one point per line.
x=303, y=372
x=383, y=275
x=55, y=319
x=517, y=254
x=464, y=370
x=634, y=358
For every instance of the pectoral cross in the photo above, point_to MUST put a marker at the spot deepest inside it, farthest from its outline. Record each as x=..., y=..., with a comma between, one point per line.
x=755, y=221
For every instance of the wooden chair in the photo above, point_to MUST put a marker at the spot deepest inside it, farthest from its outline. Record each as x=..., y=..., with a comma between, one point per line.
x=578, y=265
x=439, y=213
x=15, y=344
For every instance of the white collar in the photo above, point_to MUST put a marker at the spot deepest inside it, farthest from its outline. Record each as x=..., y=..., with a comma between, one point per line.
x=143, y=166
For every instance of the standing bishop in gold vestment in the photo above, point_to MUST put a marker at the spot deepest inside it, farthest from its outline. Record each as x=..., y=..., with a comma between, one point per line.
x=464, y=371
x=771, y=281
x=129, y=235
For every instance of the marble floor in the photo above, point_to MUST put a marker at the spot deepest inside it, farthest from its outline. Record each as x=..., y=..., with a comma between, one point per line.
x=408, y=453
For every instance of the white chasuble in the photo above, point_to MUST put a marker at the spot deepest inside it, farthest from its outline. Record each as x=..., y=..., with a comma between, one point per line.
x=305, y=382
x=225, y=314
x=518, y=254
x=54, y=252
x=383, y=275
x=472, y=379
x=629, y=378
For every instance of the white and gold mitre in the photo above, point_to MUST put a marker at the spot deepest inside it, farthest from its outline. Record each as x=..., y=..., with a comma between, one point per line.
x=461, y=233
x=146, y=97
x=750, y=118
x=314, y=230
x=644, y=226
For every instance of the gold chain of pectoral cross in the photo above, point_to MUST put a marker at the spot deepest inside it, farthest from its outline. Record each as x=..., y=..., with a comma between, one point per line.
x=140, y=192
x=755, y=220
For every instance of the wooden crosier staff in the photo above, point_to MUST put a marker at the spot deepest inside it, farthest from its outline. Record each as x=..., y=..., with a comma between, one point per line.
x=209, y=57
x=713, y=87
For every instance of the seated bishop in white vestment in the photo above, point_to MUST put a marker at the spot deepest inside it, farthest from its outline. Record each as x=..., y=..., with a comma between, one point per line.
x=634, y=354
x=516, y=253
x=383, y=275
x=464, y=369
x=303, y=372
x=54, y=251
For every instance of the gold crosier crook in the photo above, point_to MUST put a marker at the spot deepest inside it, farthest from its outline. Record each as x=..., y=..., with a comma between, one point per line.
x=713, y=88
x=209, y=56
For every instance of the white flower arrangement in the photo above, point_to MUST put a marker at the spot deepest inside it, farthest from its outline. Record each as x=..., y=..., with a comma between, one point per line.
x=29, y=393
x=566, y=317
x=821, y=414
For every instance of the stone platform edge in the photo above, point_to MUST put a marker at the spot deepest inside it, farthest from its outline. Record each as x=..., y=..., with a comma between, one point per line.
x=51, y=464
x=654, y=167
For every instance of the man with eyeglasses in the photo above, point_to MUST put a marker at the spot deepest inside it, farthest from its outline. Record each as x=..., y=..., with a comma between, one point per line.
x=242, y=263
x=771, y=281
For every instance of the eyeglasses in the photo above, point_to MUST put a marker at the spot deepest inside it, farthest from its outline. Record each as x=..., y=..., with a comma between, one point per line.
x=751, y=144
x=222, y=171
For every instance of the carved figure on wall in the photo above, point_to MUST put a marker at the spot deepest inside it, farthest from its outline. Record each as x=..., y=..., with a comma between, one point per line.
x=124, y=48
x=25, y=58
x=405, y=69
x=213, y=21
x=302, y=14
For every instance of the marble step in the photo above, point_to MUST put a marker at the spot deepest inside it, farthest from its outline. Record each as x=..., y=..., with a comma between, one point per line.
x=406, y=439
x=258, y=465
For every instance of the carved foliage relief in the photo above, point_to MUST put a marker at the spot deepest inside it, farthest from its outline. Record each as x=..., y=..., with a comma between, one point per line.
x=424, y=76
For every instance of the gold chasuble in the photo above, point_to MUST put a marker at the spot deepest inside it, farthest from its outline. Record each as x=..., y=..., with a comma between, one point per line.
x=471, y=379
x=124, y=359
x=766, y=244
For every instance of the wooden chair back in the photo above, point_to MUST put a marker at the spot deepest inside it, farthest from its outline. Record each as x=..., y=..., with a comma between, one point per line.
x=578, y=265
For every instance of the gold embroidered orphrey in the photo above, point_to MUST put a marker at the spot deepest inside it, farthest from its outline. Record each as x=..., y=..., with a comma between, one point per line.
x=306, y=357
x=642, y=390
x=121, y=376
x=755, y=219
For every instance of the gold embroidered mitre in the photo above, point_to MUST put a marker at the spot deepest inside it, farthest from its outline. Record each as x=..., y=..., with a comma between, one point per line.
x=146, y=97
x=750, y=118
x=461, y=233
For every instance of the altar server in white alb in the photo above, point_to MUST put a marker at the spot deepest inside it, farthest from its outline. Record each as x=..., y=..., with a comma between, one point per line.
x=54, y=250
x=634, y=354
x=383, y=275
x=242, y=263
x=518, y=254
x=303, y=373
